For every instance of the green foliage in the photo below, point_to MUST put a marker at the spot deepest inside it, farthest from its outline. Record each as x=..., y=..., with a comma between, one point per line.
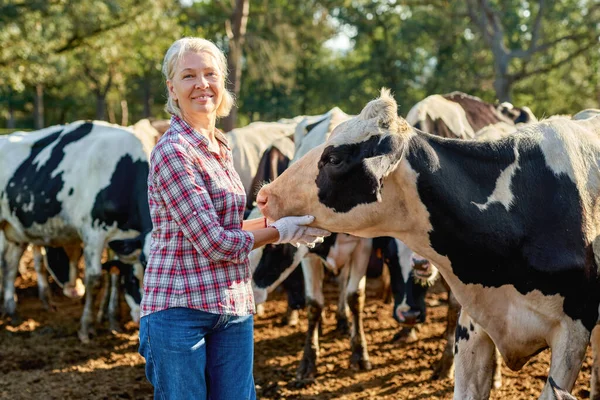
x=415, y=47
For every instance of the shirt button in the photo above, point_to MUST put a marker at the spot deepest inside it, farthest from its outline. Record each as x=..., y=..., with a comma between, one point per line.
x=195, y=213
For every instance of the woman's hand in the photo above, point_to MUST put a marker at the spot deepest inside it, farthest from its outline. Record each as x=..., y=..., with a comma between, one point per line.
x=294, y=230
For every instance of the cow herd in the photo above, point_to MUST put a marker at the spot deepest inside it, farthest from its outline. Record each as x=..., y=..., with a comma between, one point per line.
x=506, y=207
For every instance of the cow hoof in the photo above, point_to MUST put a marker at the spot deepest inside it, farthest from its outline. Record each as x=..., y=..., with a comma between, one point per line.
x=342, y=327
x=406, y=335
x=306, y=371
x=15, y=320
x=76, y=291
x=302, y=383
x=497, y=383
x=291, y=318
x=260, y=310
x=444, y=369
x=361, y=365
x=84, y=337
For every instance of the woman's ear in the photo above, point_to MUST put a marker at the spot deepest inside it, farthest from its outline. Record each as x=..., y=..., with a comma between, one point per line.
x=171, y=90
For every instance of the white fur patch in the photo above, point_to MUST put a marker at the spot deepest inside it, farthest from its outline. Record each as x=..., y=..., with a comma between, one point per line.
x=502, y=193
x=437, y=107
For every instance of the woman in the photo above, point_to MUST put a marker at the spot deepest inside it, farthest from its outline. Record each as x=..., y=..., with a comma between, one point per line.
x=196, y=331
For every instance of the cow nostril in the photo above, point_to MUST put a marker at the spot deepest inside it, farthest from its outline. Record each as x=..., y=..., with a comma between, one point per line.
x=261, y=200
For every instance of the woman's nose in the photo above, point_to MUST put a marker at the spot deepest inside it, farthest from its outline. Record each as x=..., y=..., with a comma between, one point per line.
x=201, y=83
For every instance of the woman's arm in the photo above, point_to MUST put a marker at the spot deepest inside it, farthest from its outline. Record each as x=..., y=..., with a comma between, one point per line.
x=254, y=224
x=264, y=236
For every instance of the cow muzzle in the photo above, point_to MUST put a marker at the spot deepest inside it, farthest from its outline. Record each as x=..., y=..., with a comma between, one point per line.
x=405, y=316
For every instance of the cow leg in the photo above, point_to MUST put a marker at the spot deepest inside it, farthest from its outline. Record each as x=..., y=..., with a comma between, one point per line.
x=294, y=288
x=444, y=368
x=93, y=274
x=359, y=360
x=313, y=277
x=13, y=253
x=474, y=356
x=568, y=352
x=497, y=370
x=42, y=280
x=104, y=299
x=2, y=271
x=386, y=285
x=342, y=324
x=113, y=303
x=595, y=379
x=74, y=288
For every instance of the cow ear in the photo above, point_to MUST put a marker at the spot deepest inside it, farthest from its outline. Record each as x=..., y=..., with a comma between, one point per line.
x=125, y=247
x=384, y=157
x=384, y=108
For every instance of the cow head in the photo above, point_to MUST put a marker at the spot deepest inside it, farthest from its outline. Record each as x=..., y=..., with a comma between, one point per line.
x=132, y=250
x=417, y=274
x=131, y=277
x=341, y=182
x=134, y=253
x=518, y=115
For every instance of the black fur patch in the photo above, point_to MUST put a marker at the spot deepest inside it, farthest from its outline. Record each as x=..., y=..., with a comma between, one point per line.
x=34, y=184
x=537, y=245
x=355, y=171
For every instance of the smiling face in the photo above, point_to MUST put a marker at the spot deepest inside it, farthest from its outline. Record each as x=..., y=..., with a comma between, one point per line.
x=197, y=86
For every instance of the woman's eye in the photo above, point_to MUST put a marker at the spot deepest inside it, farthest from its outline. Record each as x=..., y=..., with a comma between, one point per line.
x=187, y=76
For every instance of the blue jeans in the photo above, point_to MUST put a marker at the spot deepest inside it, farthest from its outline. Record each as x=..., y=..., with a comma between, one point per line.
x=192, y=354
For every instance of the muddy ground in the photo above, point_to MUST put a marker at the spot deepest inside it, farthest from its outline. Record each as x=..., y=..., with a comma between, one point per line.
x=42, y=358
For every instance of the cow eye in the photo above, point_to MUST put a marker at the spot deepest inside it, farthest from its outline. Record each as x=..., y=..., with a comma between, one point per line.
x=334, y=160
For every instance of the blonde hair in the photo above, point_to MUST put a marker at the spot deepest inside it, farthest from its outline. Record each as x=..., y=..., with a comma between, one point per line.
x=195, y=45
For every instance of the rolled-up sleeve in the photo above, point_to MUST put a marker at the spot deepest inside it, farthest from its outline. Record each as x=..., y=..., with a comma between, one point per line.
x=189, y=203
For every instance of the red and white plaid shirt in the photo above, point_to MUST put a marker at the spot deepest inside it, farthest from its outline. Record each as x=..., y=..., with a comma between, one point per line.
x=199, y=252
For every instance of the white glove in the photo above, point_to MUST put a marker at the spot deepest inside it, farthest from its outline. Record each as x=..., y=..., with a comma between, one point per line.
x=294, y=230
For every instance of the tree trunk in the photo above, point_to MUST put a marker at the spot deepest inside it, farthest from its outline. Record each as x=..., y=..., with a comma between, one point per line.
x=124, y=113
x=110, y=111
x=147, y=96
x=502, y=80
x=100, y=105
x=502, y=85
x=236, y=32
x=38, y=107
x=10, y=122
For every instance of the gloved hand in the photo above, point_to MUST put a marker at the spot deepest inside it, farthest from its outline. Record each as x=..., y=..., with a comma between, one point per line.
x=294, y=230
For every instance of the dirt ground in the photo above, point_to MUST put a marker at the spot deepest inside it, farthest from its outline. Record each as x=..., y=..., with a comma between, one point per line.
x=42, y=358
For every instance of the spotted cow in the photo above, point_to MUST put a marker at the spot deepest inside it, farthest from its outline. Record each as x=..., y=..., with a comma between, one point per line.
x=248, y=144
x=84, y=182
x=459, y=115
x=512, y=225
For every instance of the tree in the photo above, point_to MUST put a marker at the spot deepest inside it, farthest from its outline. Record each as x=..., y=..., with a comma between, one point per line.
x=236, y=33
x=530, y=38
x=51, y=43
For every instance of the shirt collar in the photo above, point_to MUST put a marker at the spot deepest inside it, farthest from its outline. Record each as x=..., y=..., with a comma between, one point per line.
x=178, y=125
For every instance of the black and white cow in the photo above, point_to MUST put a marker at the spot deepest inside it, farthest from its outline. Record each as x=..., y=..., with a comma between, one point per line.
x=273, y=162
x=459, y=115
x=350, y=255
x=248, y=144
x=83, y=182
x=511, y=225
